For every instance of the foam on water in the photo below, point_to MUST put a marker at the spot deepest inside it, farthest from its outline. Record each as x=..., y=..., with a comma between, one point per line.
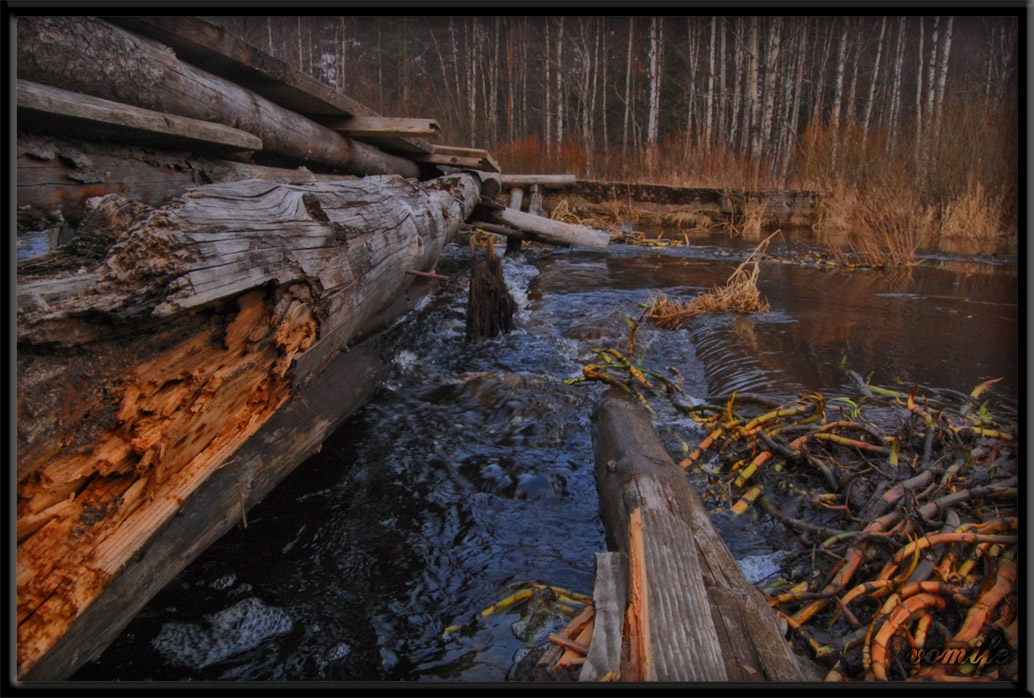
x=759, y=567
x=236, y=629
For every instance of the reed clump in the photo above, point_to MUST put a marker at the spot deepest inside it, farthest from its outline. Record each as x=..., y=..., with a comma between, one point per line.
x=975, y=215
x=740, y=294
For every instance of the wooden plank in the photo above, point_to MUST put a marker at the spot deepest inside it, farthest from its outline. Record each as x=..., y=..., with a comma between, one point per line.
x=451, y=160
x=51, y=108
x=487, y=162
x=551, y=181
x=609, y=598
x=218, y=51
x=375, y=126
x=726, y=628
x=130, y=69
x=556, y=232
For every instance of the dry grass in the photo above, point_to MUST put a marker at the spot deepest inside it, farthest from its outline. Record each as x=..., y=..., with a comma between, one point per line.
x=975, y=215
x=740, y=294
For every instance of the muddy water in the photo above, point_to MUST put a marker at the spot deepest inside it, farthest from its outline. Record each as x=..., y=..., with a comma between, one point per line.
x=472, y=467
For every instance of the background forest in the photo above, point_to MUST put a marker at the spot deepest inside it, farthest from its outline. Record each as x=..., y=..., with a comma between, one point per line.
x=910, y=121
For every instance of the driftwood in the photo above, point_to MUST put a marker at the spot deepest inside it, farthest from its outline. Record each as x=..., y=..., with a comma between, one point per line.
x=692, y=614
x=609, y=598
x=93, y=57
x=154, y=347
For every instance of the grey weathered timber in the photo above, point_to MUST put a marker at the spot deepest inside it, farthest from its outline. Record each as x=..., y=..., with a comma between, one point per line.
x=93, y=57
x=535, y=201
x=725, y=629
x=42, y=106
x=545, y=180
x=476, y=158
x=609, y=598
x=552, y=231
x=159, y=341
x=56, y=176
x=513, y=243
x=216, y=50
x=374, y=126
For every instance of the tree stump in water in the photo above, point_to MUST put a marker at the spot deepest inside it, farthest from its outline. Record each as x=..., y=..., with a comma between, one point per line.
x=490, y=307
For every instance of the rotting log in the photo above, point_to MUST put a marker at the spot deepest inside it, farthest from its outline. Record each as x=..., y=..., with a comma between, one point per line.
x=692, y=614
x=50, y=108
x=159, y=342
x=55, y=177
x=213, y=48
x=555, y=232
x=96, y=58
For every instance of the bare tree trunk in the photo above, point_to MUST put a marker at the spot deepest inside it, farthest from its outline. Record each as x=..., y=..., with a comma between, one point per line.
x=655, y=81
x=753, y=121
x=852, y=105
x=560, y=86
x=735, y=136
x=839, y=92
x=895, y=101
x=722, y=97
x=628, y=89
x=771, y=60
x=931, y=69
x=791, y=132
x=919, y=95
x=942, y=74
x=709, y=119
x=875, y=78
x=549, y=92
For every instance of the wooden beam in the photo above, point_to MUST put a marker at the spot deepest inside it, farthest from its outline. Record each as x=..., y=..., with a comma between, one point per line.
x=487, y=162
x=451, y=160
x=126, y=68
x=697, y=616
x=216, y=50
x=50, y=108
x=545, y=180
x=556, y=232
x=373, y=126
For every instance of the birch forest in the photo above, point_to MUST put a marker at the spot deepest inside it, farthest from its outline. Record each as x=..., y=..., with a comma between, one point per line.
x=842, y=103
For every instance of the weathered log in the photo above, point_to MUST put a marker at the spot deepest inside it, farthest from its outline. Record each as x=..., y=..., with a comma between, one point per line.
x=216, y=50
x=556, y=232
x=44, y=107
x=374, y=126
x=535, y=203
x=543, y=180
x=513, y=243
x=692, y=614
x=145, y=364
x=93, y=57
x=56, y=176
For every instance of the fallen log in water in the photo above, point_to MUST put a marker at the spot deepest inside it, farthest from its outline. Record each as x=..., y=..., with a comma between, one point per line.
x=96, y=58
x=152, y=349
x=692, y=615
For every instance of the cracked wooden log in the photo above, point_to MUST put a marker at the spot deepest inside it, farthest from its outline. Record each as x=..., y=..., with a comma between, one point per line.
x=96, y=58
x=155, y=347
x=692, y=615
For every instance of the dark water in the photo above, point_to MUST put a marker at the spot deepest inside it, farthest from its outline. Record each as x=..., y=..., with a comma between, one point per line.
x=472, y=467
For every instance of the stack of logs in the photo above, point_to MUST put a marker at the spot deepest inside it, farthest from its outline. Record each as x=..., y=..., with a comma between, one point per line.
x=213, y=314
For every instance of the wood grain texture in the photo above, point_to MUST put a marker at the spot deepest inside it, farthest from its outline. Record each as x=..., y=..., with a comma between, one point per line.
x=706, y=621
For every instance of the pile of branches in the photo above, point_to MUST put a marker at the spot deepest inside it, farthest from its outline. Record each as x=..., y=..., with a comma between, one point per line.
x=912, y=570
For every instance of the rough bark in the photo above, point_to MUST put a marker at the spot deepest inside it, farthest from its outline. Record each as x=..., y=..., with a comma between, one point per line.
x=93, y=57
x=146, y=359
x=692, y=614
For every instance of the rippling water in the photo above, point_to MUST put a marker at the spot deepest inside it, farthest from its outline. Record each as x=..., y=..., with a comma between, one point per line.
x=472, y=466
